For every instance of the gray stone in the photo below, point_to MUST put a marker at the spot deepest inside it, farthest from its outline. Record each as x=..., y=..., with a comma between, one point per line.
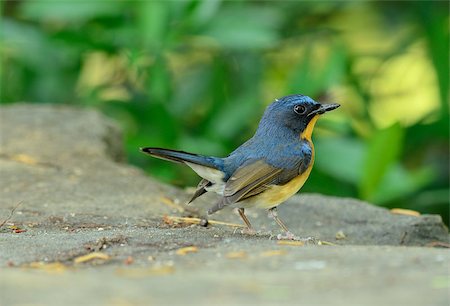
x=58, y=134
x=65, y=168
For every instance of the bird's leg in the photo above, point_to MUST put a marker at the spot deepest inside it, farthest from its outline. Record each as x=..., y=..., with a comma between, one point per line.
x=249, y=229
x=274, y=214
x=288, y=235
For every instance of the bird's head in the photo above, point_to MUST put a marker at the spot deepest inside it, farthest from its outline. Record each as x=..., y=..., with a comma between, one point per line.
x=296, y=112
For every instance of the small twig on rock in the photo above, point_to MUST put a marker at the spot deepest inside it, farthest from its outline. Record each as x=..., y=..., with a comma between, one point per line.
x=199, y=221
x=438, y=244
x=11, y=213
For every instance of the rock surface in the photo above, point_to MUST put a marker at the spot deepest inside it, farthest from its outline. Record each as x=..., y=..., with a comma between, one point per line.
x=77, y=197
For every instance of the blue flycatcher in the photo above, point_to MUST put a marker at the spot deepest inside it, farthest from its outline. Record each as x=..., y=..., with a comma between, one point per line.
x=268, y=168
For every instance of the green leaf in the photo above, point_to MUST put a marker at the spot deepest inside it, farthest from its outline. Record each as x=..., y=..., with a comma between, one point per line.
x=205, y=11
x=433, y=16
x=152, y=20
x=245, y=27
x=383, y=150
x=188, y=92
x=399, y=183
x=200, y=145
x=159, y=81
x=27, y=44
x=233, y=117
x=341, y=158
x=315, y=73
x=69, y=11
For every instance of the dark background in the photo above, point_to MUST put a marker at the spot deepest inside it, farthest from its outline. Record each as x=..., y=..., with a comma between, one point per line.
x=197, y=75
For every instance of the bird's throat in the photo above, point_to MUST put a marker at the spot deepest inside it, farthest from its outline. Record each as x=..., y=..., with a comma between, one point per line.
x=307, y=132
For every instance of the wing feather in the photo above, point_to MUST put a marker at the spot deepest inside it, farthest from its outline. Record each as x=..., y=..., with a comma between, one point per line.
x=258, y=175
x=248, y=180
x=247, y=174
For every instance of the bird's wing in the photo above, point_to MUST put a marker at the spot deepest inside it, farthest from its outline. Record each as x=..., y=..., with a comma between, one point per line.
x=253, y=178
x=257, y=175
x=248, y=180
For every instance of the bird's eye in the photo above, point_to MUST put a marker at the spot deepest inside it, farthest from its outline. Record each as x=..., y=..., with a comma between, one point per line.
x=300, y=109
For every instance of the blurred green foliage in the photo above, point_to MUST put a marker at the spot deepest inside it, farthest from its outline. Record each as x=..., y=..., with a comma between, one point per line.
x=197, y=75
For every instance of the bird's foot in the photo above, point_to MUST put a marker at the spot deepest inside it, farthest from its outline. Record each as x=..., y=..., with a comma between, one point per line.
x=290, y=236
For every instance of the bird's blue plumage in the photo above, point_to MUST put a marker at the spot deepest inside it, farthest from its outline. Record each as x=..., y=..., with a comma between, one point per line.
x=287, y=155
x=276, y=155
x=276, y=141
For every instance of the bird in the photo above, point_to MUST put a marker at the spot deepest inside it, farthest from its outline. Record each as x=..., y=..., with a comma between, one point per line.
x=267, y=169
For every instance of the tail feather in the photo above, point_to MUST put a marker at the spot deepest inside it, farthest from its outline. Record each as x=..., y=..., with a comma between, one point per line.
x=184, y=157
x=211, y=169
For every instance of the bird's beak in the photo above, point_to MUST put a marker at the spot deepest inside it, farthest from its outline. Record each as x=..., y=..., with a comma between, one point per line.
x=323, y=108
